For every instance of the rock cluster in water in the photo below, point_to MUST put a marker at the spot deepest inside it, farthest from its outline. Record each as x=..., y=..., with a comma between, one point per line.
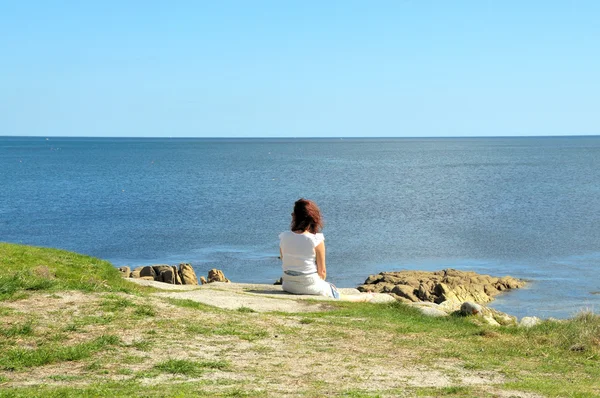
x=440, y=293
x=440, y=286
x=182, y=275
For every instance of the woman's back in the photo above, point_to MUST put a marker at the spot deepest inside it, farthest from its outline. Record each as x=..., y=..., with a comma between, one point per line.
x=298, y=251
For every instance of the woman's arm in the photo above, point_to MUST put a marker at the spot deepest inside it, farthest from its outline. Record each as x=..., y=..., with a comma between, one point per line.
x=321, y=267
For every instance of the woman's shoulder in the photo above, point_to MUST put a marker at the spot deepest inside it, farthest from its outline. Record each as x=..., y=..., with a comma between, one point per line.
x=318, y=238
x=284, y=234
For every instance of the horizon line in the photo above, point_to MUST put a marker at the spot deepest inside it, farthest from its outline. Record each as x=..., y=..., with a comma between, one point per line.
x=307, y=137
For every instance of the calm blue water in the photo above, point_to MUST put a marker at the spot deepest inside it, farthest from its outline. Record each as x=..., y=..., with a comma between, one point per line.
x=528, y=207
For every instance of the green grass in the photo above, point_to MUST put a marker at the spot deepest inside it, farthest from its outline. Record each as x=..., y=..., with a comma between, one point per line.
x=144, y=311
x=20, y=358
x=17, y=330
x=131, y=388
x=190, y=368
x=186, y=303
x=29, y=268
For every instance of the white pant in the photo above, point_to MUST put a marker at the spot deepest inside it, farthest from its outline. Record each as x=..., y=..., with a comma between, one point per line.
x=308, y=284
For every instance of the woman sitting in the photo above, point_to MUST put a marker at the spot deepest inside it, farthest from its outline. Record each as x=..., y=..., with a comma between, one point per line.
x=303, y=253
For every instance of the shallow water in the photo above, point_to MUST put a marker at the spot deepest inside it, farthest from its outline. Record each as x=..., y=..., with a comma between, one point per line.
x=528, y=207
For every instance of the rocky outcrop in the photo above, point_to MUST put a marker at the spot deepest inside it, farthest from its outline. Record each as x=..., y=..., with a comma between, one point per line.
x=184, y=275
x=440, y=286
x=441, y=293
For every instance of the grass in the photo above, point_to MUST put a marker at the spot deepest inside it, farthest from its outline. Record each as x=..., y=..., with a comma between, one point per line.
x=17, y=330
x=190, y=368
x=20, y=358
x=28, y=268
x=120, y=342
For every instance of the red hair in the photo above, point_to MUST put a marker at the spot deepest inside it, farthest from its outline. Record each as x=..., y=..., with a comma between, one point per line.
x=306, y=216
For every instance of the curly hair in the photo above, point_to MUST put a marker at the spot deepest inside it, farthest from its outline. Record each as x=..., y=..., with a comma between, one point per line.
x=306, y=217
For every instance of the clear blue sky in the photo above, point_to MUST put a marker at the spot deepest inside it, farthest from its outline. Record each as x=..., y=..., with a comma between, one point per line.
x=299, y=68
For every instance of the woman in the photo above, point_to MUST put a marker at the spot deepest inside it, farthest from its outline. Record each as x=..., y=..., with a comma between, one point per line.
x=303, y=253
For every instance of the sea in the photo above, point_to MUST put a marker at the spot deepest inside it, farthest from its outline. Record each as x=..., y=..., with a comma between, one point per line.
x=525, y=207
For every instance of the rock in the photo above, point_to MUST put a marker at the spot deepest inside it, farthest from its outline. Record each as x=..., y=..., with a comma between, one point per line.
x=440, y=286
x=405, y=291
x=147, y=278
x=529, y=321
x=148, y=271
x=203, y=280
x=373, y=279
x=158, y=268
x=188, y=275
x=431, y=311
x=490, y=320
x=469, y=308
x=136, y=272
x=398, y=298
x=505, y=319
x=125, y=272
x=444, y=293
x=382, y=298
x=167, y=276
x=449, y=306
x=216, y=275
x=178, y=280
x=278, y=282
x=423, y=293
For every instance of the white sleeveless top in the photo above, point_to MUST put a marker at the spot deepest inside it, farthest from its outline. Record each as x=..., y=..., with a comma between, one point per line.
x=298, y=251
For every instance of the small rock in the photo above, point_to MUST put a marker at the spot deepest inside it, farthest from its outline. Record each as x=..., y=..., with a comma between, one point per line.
x=158, y=268
x=431, y=311
x=148, y=271
x=167, y=276
x=136, y=272
x=178, y=280
x=203, y=280
x=188, y=275
x=469, y=308
x=529, y=321
x=382, y=298
x=125, y=272
x=216, y=275
x=490, y=320
x=278, y=282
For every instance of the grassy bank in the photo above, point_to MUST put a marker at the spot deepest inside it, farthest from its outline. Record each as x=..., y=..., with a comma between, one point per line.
x=70, y=326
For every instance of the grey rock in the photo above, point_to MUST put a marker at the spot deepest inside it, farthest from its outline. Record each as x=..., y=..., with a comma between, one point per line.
x=470, y=308
x=431, y=311
x=125, y=272
x=136, y=272
x=529, y=321
x=148, y=271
